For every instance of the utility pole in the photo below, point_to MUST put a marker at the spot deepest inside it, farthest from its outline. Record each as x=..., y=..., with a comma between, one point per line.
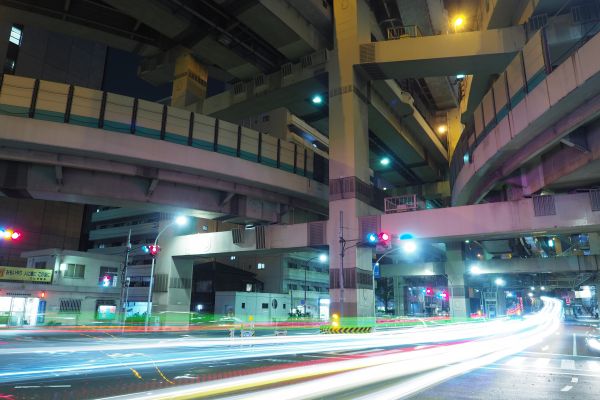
x=124, y=282
x=342, y=251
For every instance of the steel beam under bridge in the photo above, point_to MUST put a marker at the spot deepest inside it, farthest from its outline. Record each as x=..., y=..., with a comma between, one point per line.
x=575, y=264
x=480, y=52
x=572, y=213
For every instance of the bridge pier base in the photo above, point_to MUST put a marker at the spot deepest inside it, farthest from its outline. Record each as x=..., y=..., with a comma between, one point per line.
x=171, y=297
x=399, y=295
x=460, y=307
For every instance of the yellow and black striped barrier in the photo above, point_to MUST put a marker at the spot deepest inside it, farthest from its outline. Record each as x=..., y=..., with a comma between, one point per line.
x=352, y=329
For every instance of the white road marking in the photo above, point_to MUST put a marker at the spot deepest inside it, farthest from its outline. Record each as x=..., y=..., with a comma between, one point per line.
x=567, y=364
x=515, y=361
x=566, y=388
x=555, y=372
x=186, y=376
x=574, y=380
x=542, y=362
x=574, y=344
x=545, y=348
x=594, y=366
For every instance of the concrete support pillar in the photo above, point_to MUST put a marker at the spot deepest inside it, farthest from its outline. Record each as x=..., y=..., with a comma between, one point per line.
x=189, y=83
x=172, y=289
x=455, y=271
x=351, y=291
x=399, y=295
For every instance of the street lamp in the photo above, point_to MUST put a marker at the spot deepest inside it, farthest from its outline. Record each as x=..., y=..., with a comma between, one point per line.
x=408, y=246
x=180, y=220
x=322, y=258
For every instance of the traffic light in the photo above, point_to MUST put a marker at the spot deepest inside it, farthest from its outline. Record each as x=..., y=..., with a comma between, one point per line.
x=153, y=249
x=43, y=294
x=429, y=291
x=378, y=239
x=335, y=321
x=9, y=234
x=444, y=295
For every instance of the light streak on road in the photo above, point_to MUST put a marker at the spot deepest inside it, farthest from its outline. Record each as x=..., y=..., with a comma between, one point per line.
x=495, y=341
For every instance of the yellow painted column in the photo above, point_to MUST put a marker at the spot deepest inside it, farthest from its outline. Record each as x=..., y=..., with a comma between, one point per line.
x=189, y=83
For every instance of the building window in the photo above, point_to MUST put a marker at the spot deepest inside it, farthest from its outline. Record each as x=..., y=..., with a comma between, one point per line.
x=16, y=34
x=40, y=264
x=284, y=306
x=70, y=306
x=139, y=281
x=75, y=271
x=243, y=305
x=260, y=266
x=248, y=287
x=108, y=276
x=265, y=305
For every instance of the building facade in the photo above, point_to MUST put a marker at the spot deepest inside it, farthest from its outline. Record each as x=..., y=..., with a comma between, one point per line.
x=61, y=287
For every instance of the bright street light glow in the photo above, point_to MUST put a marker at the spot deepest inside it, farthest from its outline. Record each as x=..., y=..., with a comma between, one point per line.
x=442, y=129
x=500, y=282
x=530, y=294
x=543, y=288
x=181, y=220
x=317, y=99
x=460, y=76
x=551, y=242
x=323, y=257
x=458, y=22
x=385, y=161
x=475, y=269
x=532, y=288
x=409, y=246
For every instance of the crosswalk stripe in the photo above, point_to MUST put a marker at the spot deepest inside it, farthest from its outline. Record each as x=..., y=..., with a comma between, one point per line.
x=567, y=364
x=542, y=362
x=515, y=361
x=594, y=365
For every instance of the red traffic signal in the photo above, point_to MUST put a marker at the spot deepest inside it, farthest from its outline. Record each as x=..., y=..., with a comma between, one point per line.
x=10, y=234
x=429, y=291
x=378, y=239
x=153, y=249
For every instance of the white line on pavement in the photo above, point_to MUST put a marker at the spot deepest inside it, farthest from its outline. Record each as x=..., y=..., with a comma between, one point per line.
x=574, y=344
x=567, y=364
x=566, y=388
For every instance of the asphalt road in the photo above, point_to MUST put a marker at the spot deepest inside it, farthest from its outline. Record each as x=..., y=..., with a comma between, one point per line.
x=562, y=367
x=80, y=365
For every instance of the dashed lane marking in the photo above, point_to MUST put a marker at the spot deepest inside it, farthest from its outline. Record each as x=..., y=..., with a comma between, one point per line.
x=566, y=388
x=567, y=364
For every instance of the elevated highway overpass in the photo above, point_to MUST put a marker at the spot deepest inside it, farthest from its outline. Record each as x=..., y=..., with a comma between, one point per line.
x=68, y=143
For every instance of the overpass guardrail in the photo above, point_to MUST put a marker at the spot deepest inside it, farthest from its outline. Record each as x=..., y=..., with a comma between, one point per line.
x=63, y=103
x=527, y=70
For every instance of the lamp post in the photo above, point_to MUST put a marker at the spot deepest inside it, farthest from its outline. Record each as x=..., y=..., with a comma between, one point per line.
x=181, y=220
x=408, y=246
x=322, y=258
